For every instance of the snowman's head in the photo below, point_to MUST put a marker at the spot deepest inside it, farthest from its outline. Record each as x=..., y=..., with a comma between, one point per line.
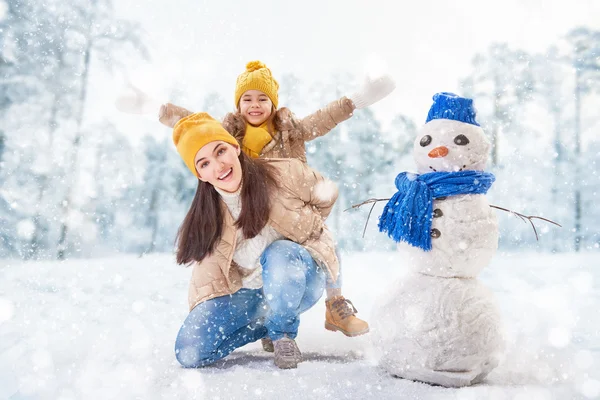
x=451, y=140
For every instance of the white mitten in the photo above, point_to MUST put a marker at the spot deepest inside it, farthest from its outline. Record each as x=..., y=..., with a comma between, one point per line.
x=373, y=90
x=133, y=101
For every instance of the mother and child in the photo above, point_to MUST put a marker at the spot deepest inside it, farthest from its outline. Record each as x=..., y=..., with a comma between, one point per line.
x=255, y=232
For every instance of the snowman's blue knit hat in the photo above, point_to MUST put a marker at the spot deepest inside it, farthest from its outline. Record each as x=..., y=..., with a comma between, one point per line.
x=450, y=106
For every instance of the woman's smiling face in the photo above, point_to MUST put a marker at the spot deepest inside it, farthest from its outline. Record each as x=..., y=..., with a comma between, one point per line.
x=218, y=164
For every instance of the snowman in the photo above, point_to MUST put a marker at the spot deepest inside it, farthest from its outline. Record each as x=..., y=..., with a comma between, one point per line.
x=438, y=324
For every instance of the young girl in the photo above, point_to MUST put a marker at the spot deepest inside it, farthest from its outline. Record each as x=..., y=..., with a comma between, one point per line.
x=268, y=132
x=260, y=250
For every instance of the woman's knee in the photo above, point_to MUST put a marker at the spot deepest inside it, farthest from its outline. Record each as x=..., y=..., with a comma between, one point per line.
x=193, y=349
x=284, y=253
x=193, y=346
x=191, y=357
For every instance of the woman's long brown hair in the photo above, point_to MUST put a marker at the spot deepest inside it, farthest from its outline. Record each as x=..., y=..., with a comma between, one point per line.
x=202, y=227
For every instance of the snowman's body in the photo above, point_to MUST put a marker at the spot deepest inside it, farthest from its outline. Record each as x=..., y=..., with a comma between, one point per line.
x=439, y=324
x=467, y=237
x=443, y=331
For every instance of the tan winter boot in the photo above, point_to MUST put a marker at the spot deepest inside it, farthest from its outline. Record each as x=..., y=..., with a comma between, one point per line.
x=169, y=114
x=340, y=316
x=287, y=353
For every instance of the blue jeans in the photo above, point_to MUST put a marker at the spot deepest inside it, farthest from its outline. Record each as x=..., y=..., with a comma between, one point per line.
x=292, y=283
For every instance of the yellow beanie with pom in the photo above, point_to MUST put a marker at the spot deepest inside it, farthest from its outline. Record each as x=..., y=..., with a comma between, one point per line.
x=193, y=132
x=257, y=77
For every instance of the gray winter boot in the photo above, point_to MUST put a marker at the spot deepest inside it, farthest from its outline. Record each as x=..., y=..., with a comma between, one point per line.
x=267, y=344
x=287, y=353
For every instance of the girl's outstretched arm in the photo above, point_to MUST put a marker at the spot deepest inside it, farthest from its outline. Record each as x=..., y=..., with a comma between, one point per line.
x=324, y=120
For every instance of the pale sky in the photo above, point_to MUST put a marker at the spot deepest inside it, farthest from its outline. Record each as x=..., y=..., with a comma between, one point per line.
x=427, y=46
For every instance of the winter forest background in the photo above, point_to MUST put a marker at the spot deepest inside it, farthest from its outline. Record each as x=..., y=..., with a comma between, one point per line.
x=75, y=186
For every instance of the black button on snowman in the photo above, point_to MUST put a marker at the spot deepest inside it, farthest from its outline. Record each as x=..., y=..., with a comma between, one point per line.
x=439, y=324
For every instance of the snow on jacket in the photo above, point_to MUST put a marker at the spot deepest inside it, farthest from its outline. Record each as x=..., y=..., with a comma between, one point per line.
x=298, y=211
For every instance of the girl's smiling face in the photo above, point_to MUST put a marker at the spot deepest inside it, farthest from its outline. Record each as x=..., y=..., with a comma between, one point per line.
x=218, y=164
x=256, y=107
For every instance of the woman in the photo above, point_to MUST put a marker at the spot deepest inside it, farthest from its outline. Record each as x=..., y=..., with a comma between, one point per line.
x=266, y=131
x=260, y=250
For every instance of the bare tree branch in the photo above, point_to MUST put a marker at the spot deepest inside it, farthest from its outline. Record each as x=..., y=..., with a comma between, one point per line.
x=374, y=201
x=528, y=218
x=365, y=202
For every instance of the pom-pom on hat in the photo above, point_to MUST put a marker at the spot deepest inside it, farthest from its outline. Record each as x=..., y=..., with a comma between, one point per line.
x=450, y=106
x=257, y=77
x=193, y=132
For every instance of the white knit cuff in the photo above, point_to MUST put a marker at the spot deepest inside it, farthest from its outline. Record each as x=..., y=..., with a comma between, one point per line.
x=359, y=100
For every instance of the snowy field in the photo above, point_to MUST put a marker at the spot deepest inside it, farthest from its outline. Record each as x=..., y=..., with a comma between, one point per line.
x=105, y=329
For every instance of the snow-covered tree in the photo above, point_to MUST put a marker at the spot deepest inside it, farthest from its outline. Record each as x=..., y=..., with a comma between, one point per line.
x=155, y=204
x=216, y=106
x=501, y=82
x=98, y=34
x=370, y=157
x=328, y=154
x=584, y=58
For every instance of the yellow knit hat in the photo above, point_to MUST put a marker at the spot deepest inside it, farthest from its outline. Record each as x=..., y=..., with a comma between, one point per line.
x=191, y=133
x=256, y=77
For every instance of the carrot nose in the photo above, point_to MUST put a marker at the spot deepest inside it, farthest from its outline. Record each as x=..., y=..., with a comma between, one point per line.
x=438, y=152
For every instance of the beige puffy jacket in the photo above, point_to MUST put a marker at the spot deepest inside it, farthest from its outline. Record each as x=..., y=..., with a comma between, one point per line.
x=291, y=133
x=298, y=211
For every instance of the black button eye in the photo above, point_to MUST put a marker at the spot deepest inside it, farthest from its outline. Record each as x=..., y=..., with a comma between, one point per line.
x=435, y=233
x=425, y=141
x=461, y=140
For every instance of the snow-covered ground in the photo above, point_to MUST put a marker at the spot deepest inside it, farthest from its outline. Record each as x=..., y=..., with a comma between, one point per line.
x=105, y=329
